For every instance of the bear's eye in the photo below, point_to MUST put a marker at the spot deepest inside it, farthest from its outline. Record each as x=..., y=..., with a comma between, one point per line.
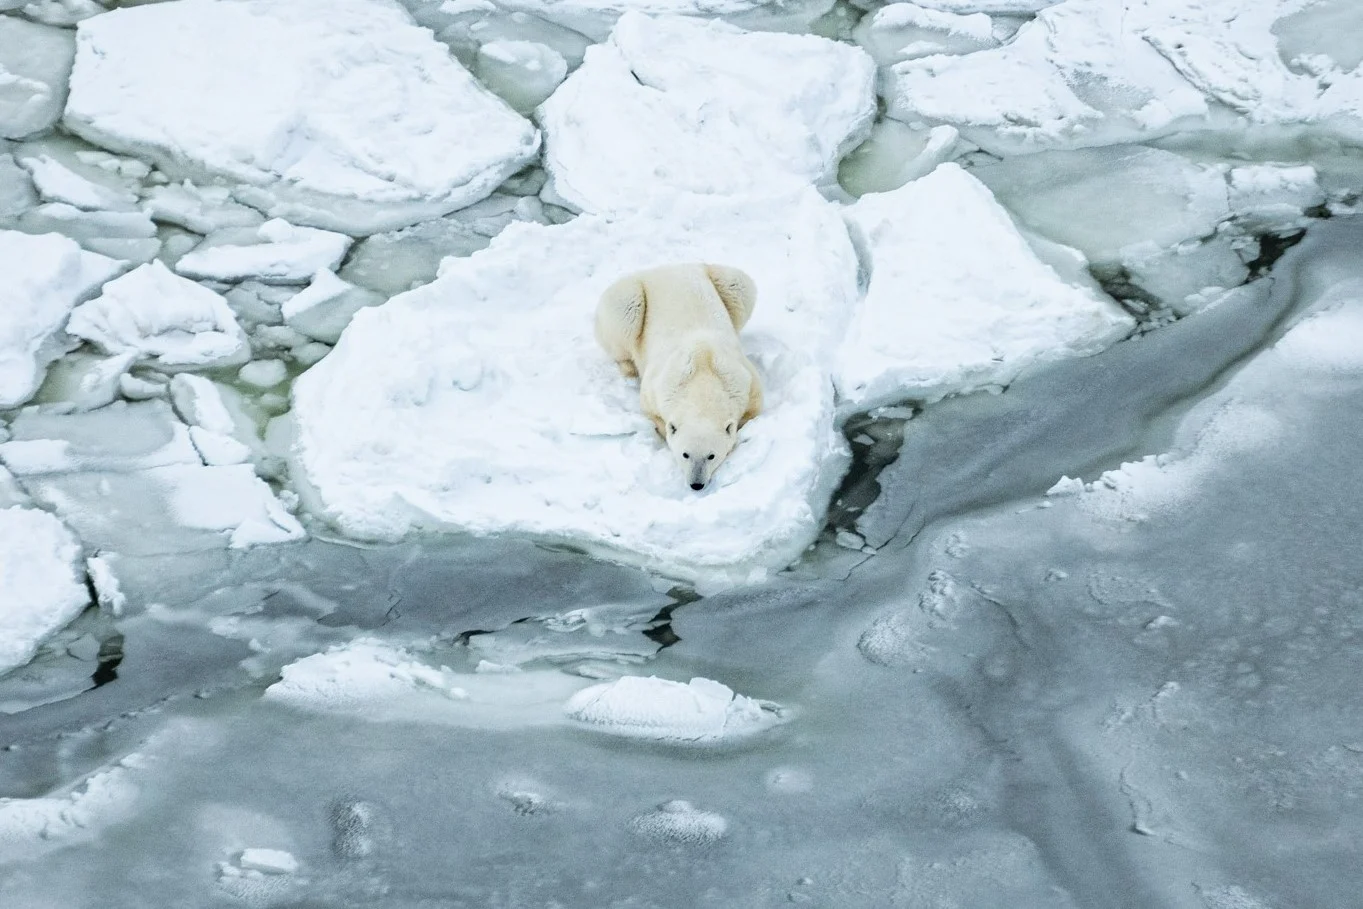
x=710, y=458
x=687, y=455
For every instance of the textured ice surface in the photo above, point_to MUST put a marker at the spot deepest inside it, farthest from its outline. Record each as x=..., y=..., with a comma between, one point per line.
x=325, y=307
x=482, y=403
x=44, y=277
x=43, y=587
x=906, y=31
x=341, y=115
x=701, y=107
x=700, y=712
x=35, y=61
x=161, y=317
x=934, y=321
x=30, y=827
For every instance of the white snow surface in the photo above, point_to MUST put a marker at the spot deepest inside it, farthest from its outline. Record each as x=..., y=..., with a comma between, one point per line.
x=44, y=276
x=331, y=113
x=672, y=104
x=164, y=318
x=275, y=252
x=958, y=300
x=481, y=402
x=701, y=712
x=42, y=587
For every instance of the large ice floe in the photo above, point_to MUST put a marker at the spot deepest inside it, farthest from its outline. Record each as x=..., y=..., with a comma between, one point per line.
x=1092, y=72
x=481, y=402
x=44, y=276
x=935, y=322
x=672, y=104
x=331, y=113
x=42, y=586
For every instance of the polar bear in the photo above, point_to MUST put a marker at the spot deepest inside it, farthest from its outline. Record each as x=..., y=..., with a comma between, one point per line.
x=676, y=328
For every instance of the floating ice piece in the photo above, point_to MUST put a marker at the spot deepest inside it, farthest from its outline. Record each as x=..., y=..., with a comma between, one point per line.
x=1080, y=74
x=680, y=822
x=30, y=827
x=935, y=320
x=127, y=235
x=44, y=277
x=482, y=403
x=906, y=31
x=379, y=681
x=330, y=113
x=276, y=252
x=120, y=437
x=702, y=712
x=268, y=861
x=702, y=107
x=16, y=188
x=222, y=433
x=1069, y=197
x=35, y=62
x=164, y=318
x=56, y=182
x=1268, y=197
x=202, y=209
x=42, y=585
x=326, y=306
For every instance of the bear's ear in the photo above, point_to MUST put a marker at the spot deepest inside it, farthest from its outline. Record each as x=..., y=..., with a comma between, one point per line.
x=729, y=428
x=672, y=429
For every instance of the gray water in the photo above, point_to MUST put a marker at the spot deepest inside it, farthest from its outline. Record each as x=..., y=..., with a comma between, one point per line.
x=1014, y=703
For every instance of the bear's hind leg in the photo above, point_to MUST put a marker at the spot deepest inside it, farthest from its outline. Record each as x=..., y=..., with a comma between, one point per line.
x=736, y=290
x=620, y=322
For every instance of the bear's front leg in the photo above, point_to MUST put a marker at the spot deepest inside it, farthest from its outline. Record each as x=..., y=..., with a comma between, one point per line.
x=627, y=369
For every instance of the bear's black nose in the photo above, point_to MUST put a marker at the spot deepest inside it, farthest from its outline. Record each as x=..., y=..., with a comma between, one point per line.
x=698, y=486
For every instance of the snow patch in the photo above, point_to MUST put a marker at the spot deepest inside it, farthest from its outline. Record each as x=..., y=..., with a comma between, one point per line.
x=701, y=712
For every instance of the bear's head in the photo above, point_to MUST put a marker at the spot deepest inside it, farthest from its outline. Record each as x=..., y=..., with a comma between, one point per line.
x=699, y=444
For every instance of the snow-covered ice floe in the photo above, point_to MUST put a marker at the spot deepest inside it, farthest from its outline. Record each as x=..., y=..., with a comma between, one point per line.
x=42, y=584
x=674, y=104
x=701, y=712
x=164, y=318
x=44, y=276
x=1092, y=72
x=274, y=252
x=481, y=402
x=331, y=113
x=958, y=300
x=30, y=827
x=35, y=62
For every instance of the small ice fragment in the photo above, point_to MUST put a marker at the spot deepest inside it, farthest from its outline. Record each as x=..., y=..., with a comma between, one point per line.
x=263, y=373
x=268, y=861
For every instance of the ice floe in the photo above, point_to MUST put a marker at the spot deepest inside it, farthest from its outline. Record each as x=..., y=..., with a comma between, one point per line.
x=481, y=402
x=35, y=62
x=382, y=682
x=161, y=317
x=41, y=579
x=129, y=478
x=44, y=277
x=32, y=826
x=276, y=252
x=701, y=712
x=331, y=113
x=326, y=306
x=702, y=107
x=906, y=31
x=936, y=320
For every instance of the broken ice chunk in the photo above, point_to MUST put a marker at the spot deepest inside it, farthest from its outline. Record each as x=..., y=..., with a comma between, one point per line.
x=164, y=318
x=699, y=712
x=41, y=584
x=276, y=252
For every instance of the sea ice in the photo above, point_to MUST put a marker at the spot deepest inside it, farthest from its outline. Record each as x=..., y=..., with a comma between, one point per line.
x=164, y=318
x=32, y=826
x=701, y=712
x=56, y=182
x=935, y=322
x=326, y=306
x=275, y=252
x=521, y=73
x=202, y=209
x=44, y=277
x=906, y=31
x=35, y=62
x=1079, y=74
x=481, y=402
x=42, y=583
x=702, y=107
x=330, y=113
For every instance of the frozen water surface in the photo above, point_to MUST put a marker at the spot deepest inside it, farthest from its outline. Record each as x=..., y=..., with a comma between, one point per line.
x=1037, y=584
